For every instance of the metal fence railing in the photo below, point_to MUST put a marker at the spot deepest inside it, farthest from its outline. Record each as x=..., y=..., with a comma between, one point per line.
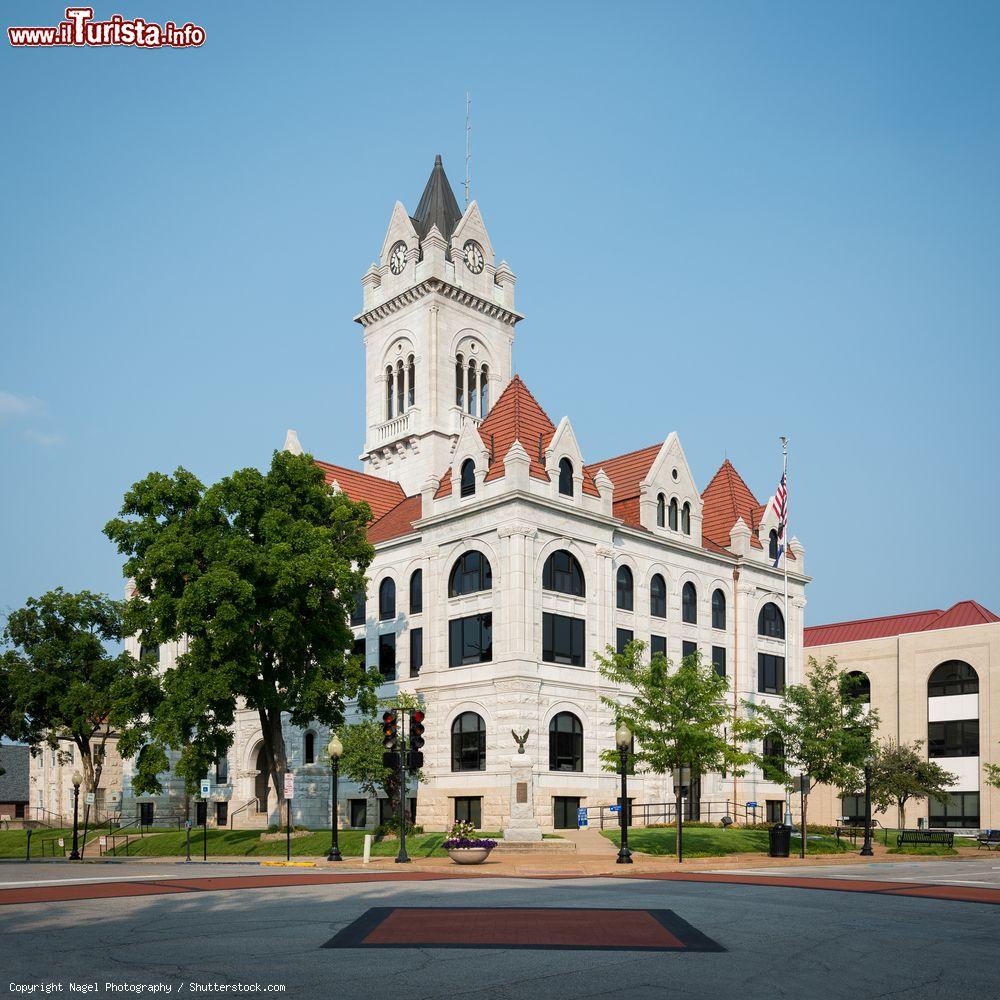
x=651, y=813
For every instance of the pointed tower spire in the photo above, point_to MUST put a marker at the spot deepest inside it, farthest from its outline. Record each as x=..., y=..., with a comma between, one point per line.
x=438, y=206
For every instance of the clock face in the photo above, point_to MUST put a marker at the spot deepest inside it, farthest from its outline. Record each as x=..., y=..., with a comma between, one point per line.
x=475, y=259
x=397, y=258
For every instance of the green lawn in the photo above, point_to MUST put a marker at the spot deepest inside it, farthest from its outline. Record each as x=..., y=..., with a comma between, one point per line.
x=932, y=849
x=12, y=843
x=713, y=842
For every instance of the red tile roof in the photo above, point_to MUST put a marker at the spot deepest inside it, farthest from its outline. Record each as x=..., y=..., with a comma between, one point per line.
x=397, y=522
x=957, y=616
x=517, y=416
x=726, y=499
x=380, y=494
x=626, y=473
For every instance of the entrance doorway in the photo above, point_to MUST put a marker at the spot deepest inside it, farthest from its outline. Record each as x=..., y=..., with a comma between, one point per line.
x=261, y=786
x=564, y=812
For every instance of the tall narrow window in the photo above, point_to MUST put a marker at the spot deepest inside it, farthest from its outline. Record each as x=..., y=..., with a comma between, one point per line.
x=661, y=511
x=565, y=743
x=387, y=600
x=473, y=392
x=771, y=622
x=309, y=749
x=565, y=477
x=459, y=382
x=416, y=592
x=416, y=651
x=689, y=604
x=468, y=743
x=772, y=545
x=411, y=382
x=686, y=518
x=719, y=660
x=390, y=396
x=400, y=398
x=718, y=609
x=623, y=589
x=658, y=596
x=484, y=391
x=468, y=484
x=387, y=656
x=672, y=519
x=358, y=611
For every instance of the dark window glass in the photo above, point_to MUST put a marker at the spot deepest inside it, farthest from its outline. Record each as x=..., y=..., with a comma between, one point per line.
x=416, y=651
x=459, y=382
x=360, y=649
x=565, y=743
x=952, y=677
x=484, y=391
x=718, y=609
x=623, y=597
x=562, y=640
x=222, y=770
x=473, y=394
x=469, y=810
x=688, y=648
x=771, y=622
x=146, y=813
x=309, y=748
x=387, y=600
x=201, y=814
x=661, y=511
x=858, y=687
x=412, y=809
x=657, y=644
x=390, y=388
x=416, y=592
x=772, y=544
x=471, y=573
x=564, y=812
x=358, y=812
x=686, y=519
x=468, y=743
x=773, y=754
x=775, y=810
x=770, y=674
x=852, y=809
x=470, y=640
x=221, y=813
x=565, y=477
x=358, y=611
x=386, y=810
x=672, y=515
x=563, y=574
x=719, y=660
x=689, y=603
x=658, y=596
x=961, y=809
x=623, y=637
x=468, y=484
x=152, y=651
x=959, y=738
x=387, y=656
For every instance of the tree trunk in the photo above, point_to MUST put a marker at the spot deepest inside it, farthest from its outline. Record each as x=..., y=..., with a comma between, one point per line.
x=274, y=749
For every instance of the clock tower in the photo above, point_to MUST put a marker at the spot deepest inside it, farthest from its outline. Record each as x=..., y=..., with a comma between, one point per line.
x=438, y=319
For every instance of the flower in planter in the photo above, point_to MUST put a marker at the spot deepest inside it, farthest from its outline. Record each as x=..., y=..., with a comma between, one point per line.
x=463, y=835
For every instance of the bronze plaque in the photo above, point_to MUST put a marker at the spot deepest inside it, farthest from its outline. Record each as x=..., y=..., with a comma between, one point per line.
x=521, y=791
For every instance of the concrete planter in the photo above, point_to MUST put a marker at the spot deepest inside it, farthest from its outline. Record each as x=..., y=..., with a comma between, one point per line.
x=469, y=855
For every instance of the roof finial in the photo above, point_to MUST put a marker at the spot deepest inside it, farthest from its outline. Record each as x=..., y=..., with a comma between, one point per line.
x=468, y=143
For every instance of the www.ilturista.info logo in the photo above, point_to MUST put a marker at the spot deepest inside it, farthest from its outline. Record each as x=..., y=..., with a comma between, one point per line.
x=80, y=28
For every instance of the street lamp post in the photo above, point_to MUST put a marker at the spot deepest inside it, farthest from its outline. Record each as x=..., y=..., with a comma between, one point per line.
x=866, y=847
x=623, y=737
x=74, y=855
x=335, y=750
x=682, y=778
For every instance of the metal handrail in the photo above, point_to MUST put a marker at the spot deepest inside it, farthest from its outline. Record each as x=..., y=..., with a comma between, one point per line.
x=246, y=805
x=666, y=812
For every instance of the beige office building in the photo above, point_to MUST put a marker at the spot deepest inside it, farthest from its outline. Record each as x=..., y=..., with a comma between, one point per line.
x=932, y=677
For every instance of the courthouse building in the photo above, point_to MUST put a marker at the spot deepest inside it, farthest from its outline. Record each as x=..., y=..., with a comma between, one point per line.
x=931, y=675
x=506, y=557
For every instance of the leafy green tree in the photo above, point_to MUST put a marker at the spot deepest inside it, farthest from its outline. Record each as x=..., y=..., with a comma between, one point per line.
x=992, y=775
x=59, y=683
x=825, y=727
x=901, y=773
x=677, y=717
x=258, y=572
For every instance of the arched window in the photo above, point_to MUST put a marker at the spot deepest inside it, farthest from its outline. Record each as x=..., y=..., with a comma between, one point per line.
x=459, y=382
x=661, y=511
x=484, y=391
x=689, y=604
x=952, y=677
x=565, y=743
x=473, y=393
x=411, y=382
x=468, y=484
x=309, y=748
x=471, y=573
x=468, y=743
x=387, y=599
x=859, y=687
x=771, y=622
x=400, y=398
x=390, y=396
x=623, y=590
x=565, y=477
x=686, y=518
x=563, y=574
x=772, y=544
x=416, y=592
x=672, y=517
x=718, y=609
x=658, y=596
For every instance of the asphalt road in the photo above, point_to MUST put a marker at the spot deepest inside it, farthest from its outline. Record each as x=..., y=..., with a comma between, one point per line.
x=779, y=942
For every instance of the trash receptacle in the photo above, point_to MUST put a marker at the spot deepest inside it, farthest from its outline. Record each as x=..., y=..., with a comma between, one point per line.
x=780, y=840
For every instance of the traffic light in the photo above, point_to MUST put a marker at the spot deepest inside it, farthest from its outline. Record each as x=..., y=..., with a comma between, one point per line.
x=416, y=730
x=390, y=731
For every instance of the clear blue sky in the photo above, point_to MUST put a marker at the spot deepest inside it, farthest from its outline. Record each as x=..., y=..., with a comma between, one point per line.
x=729, y=220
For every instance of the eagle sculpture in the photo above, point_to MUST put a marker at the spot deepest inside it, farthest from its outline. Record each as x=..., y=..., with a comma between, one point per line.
x=520, y=740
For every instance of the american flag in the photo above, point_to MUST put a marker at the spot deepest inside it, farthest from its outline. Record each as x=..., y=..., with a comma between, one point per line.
x=781, y=509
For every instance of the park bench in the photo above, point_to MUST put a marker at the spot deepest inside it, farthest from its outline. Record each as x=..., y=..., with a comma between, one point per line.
x=990, y=839
x=943, y=837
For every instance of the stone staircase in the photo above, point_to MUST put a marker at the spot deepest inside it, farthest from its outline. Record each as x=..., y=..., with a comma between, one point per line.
x=536, y=847
x=246, y=817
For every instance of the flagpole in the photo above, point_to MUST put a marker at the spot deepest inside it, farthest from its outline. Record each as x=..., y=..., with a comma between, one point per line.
x=784, y=552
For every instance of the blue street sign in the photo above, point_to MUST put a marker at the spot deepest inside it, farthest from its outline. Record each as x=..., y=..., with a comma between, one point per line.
x=581, y=818
x=751, y=805
x=615, y=809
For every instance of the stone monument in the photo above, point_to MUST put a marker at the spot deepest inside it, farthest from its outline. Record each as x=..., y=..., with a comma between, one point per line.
x=521, y=825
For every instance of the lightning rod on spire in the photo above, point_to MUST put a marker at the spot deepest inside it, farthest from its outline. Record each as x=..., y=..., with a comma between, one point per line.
x=468, y=143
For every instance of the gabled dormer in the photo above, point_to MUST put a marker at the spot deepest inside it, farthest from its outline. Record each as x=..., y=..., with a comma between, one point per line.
x=564, y=463
x=669, y=502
